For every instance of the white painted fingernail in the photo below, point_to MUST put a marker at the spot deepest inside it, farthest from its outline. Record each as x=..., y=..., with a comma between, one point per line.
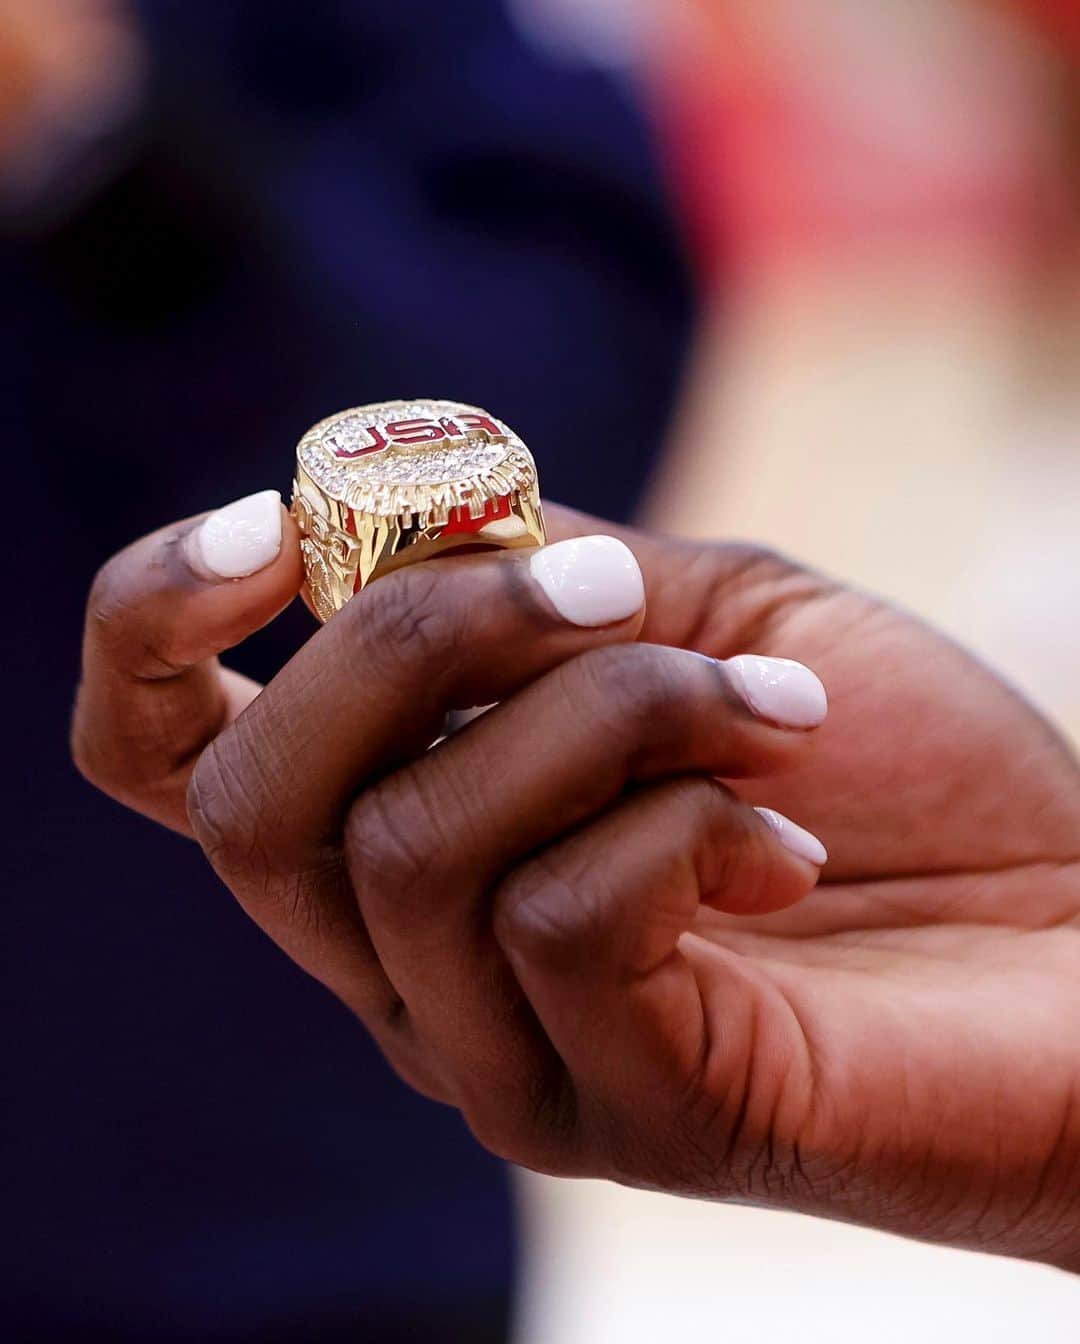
x=590, y=580
x=793, y=837
x=242, y=538
x=785, y=693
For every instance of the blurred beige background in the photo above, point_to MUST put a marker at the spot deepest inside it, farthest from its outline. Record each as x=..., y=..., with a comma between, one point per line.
x=888, y=385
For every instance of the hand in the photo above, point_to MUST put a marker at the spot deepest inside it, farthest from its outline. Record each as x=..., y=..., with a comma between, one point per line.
x=557, y=921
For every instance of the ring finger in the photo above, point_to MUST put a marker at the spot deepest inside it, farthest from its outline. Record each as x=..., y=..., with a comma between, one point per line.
x=428, y=845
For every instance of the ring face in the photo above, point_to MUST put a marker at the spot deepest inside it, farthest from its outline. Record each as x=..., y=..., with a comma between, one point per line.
x=395, y=482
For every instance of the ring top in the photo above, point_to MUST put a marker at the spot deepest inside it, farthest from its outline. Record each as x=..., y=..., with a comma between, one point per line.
x=425, y=458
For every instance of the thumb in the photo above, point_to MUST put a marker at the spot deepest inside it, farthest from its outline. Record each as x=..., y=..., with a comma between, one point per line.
x=152, y=693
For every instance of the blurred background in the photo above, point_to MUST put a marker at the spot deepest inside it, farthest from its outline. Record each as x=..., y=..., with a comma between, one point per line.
x=804, y=271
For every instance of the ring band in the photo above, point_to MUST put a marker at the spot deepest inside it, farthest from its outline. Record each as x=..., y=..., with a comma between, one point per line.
x=381, y=486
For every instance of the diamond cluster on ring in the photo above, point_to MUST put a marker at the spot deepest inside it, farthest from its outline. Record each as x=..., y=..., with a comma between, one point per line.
x=425, y=464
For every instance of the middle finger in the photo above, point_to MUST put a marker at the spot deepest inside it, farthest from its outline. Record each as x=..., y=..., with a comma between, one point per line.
x=427, y=846
x=371, y=689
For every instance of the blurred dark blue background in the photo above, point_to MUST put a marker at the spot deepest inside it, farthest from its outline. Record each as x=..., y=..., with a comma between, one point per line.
x=322, y=203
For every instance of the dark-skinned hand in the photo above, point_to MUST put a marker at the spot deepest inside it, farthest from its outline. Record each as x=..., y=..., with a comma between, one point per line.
x=561, y=922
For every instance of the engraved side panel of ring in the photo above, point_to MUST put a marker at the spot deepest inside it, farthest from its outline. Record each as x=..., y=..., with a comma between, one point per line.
x=395, y=482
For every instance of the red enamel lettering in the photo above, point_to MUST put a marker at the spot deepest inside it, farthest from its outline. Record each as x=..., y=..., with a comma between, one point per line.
x=378, y=443
x=415, y=431
x=481, y=422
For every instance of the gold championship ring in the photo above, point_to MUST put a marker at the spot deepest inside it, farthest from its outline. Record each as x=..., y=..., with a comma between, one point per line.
x=382, y=486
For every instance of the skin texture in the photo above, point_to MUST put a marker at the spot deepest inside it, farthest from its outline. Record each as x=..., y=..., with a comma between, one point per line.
x=561, y=923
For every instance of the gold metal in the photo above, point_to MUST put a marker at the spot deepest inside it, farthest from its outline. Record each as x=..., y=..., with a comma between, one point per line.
x=394, y=482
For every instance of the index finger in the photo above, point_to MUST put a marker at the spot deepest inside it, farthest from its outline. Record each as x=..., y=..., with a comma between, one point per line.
x=371, y=689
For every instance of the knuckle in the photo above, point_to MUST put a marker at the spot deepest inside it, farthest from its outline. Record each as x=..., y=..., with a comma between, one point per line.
x=732, y=851
x=708, y=805
x=385, y=846
x=105, y=588
x=639, y=691
x=627, y=673
x=746, y=588
x=223, y=812
x=749, y=560
x=544, y=919
x=696, y=802
x=123, y=621
x=412, y=620
x=109, y=604
x=739, y=571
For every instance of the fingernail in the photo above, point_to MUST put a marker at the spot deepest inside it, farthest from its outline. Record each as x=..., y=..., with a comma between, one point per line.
x=786, y=693
x=242, y=538
x=590, y=580
x=793, y=837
